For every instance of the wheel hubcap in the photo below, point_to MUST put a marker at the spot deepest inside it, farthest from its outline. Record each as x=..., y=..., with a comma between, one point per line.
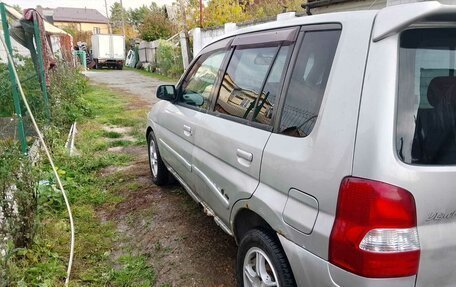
x=153, y=158
x=258, y=270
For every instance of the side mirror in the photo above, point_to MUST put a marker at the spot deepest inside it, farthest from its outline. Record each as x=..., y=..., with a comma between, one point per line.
x=167, y=92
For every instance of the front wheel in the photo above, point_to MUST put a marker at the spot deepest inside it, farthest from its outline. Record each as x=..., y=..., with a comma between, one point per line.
x=160, y=173
x=261, y=261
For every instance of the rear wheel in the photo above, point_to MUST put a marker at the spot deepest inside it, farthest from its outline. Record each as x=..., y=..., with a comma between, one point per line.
x=160, y=173
x=261, y=262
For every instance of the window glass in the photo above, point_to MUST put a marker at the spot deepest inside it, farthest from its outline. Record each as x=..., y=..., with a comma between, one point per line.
x=308, y=82
x=265, y=106
x=197, y=86
x=243, y=80
x=426, y=115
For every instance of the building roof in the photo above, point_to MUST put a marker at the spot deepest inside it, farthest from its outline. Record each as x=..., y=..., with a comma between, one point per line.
x=79, y=15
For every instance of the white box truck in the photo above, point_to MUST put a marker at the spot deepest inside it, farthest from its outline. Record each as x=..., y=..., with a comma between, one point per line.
x=108, y=50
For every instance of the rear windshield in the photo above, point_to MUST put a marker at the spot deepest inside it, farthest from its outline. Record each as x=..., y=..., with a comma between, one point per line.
x=426, y=116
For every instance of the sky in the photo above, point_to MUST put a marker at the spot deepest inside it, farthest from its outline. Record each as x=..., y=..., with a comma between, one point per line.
x=96, y=4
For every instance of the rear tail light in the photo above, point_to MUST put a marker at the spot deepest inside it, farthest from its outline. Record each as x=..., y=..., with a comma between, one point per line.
x=374, y=233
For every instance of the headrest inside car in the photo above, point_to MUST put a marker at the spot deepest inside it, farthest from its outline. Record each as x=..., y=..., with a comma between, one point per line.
x=438, y=87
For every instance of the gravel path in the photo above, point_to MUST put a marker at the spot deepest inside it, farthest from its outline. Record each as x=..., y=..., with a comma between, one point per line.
x=129, y=82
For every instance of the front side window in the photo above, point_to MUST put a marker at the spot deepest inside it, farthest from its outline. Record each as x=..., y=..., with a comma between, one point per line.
x=199, y=83
x=426, y=106
x=243, y=80
x=308, y=82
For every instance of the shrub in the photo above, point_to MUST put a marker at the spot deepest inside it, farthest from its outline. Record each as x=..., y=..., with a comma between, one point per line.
x=65, y=93
x=68, y=86
x=156, y=26
x=17, y=201
x=169, y=60
x=30, y=84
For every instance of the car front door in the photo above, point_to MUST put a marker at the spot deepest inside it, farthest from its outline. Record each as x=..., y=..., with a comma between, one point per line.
x=178, y=120
x=230, y=139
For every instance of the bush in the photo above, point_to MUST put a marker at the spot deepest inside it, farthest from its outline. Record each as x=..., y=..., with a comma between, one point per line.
x=169, y=60
x=17, y=201
x=156, y=26
x=30, y=84
x=68, y=86
x=64, y=94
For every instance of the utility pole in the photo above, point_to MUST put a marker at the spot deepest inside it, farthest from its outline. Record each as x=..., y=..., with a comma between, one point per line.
x=201, y=13
x=107, y=16
x=186, y=49
x=123, y=18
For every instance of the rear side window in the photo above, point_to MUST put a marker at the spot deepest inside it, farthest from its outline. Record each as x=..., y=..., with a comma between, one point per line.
x=426, y=115
x=308, y=82
x=243, y=80
x=264, y=109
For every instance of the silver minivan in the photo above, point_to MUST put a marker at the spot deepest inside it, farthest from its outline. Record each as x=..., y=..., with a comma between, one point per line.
x=326, y=145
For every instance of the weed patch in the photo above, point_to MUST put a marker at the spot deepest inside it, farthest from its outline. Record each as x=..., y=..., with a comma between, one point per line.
x=44, y=262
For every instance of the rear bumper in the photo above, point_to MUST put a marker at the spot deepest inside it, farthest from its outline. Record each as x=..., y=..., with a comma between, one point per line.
x=310, y=270
x=109, y=61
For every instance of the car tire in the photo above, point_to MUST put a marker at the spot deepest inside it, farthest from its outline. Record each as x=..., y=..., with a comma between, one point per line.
x=158, y=170
x=260, y=246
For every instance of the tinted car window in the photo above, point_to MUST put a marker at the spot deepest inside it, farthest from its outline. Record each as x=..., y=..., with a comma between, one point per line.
x=243, y=80
x=308, y=82
x=426, y=114
x=264, y=109
x=198, y=84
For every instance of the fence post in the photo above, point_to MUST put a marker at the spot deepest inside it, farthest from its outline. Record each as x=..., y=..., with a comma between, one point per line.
x=184, y=50
x=17, y=103
x=197, y=40
x=41, y=69
x=230, y=27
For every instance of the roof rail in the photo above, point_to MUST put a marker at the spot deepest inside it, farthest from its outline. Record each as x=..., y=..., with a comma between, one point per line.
x=320, y=3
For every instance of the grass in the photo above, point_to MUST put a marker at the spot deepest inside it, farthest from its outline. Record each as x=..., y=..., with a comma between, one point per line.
x=153, y=75
x=44, y=263
x=134, y=272
x=112, y=135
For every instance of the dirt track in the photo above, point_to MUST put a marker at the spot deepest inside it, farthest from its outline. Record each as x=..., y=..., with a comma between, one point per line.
x=129, y=82
x=184, y=246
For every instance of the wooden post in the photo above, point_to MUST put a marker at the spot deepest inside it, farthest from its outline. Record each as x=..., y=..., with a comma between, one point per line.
x=201, y=13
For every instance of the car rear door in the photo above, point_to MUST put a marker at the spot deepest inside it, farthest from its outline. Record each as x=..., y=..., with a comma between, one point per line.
x=229, y=140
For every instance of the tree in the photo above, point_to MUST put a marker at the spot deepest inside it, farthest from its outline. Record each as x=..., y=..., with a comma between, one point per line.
x=156, y=26
x=138, y=15
x=219, y=12
x=267, y=8
x=116, y=15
